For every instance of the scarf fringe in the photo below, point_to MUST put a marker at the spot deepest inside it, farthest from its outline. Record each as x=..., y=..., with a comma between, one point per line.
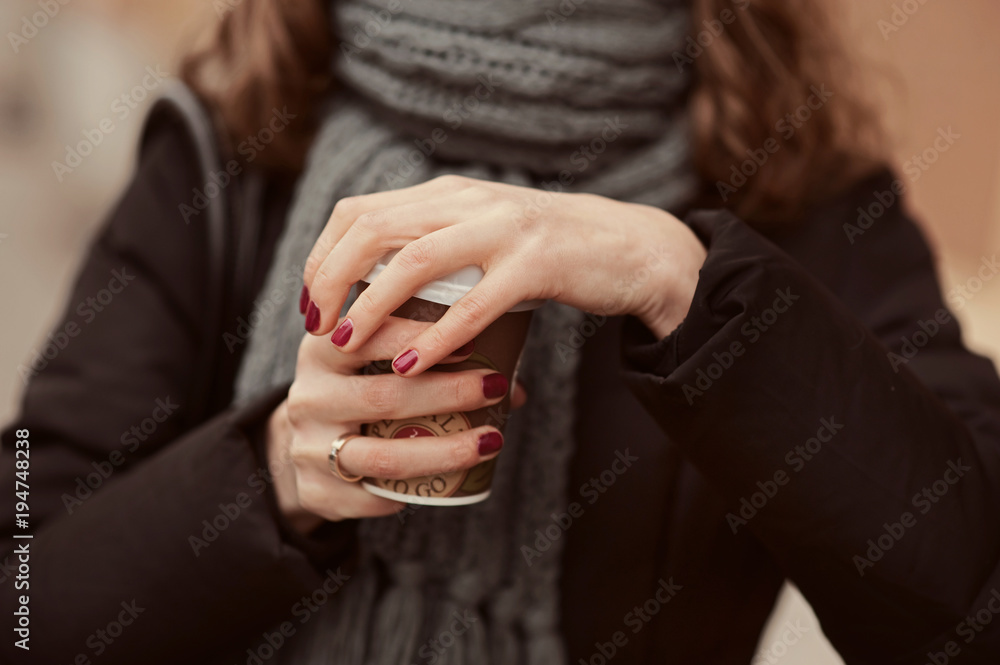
x=458, y=635
x=399, y=616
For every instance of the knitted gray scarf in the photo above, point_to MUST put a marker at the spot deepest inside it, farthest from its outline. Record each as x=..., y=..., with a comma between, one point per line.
x=571, y=95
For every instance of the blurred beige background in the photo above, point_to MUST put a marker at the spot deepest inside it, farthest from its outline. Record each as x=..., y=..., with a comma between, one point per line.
x=940, y=69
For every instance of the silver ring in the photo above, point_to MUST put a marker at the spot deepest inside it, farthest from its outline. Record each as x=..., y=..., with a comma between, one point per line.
x=334, y=459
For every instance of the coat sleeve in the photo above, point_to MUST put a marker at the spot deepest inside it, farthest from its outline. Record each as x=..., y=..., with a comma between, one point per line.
x=153, y=536
x=848, y=428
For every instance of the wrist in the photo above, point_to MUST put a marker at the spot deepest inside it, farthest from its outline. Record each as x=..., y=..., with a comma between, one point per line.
x=670, y=296
x=279, y=439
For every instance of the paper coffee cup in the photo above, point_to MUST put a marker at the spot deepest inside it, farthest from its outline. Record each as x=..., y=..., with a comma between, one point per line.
x=497, y=348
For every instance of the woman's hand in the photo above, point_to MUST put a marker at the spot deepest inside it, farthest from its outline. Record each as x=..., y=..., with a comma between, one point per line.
x=591, y=252
x=329, y=398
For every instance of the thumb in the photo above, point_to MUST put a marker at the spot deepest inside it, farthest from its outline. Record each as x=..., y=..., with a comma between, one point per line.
x=519, y=396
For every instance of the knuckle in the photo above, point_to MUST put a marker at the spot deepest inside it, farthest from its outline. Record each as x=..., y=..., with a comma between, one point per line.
x=372, y=222
x=525, y=220
x=297, y=405
x=381, y=394
x=452, y=181
x=313, y=262
x=481, y=193
x=461, y=455
x=347, y=207
x=471, y=309
x=382, y=462
x=435, y=338
x=365, y=303
x=385, y=349
x=298, y=451
x=464, y=392
x=322, y=278
x=417, y=255
x=510, y=210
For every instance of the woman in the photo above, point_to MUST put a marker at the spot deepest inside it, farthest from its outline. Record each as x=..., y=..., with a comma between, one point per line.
x=710, y=406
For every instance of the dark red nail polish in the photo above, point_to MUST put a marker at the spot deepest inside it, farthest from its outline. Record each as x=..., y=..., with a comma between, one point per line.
x=490, y=442
x=494, y=385
x=403, y=363
x=465, y=349
x=312, y=317
x=304, y=299
x=343, y=333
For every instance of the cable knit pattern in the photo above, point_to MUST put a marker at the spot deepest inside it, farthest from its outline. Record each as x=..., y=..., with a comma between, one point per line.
x=524, y=93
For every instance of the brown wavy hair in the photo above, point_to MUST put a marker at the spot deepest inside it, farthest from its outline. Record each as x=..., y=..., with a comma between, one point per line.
x=764, y=63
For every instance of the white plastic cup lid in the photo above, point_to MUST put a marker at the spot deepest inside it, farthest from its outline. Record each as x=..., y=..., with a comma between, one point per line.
x=449, y=289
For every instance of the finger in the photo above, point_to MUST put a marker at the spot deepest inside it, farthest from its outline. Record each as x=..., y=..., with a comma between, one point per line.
x=364, y=229
x=367, y=398
x=419, y=262
x=350, y=208
x=394, y=335
x=518, y=397
x=375, y=457
x=494, y=296
x=324, y=494
x=370, y=237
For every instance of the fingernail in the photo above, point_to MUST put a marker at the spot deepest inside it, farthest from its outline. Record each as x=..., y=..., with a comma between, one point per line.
x=494, y=385
x=465, y=349
x=312, y=317
x=343, y=333
x=304, y=299
x=489, y=443
x=403, y=363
